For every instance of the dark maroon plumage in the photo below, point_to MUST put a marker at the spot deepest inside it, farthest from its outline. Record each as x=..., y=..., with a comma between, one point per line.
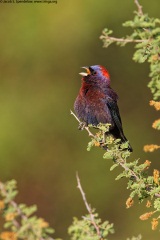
x=97, y=101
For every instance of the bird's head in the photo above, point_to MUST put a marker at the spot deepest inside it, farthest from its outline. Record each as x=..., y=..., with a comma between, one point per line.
x=96, y=74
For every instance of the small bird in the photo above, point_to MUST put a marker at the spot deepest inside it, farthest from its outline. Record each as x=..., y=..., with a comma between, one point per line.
x=97, y=102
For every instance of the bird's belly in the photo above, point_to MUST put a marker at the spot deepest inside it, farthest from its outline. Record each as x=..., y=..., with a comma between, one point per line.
x=92, y=112
x=97, y=114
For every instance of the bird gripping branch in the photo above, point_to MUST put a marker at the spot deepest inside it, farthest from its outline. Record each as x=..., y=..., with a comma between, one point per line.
x=97, y=102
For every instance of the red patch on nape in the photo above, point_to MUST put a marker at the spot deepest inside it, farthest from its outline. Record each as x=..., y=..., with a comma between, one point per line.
x=105, y=72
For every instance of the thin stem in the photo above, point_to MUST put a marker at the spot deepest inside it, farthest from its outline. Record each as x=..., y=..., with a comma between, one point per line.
x=125, y=40
x=88, y=207
x=87, y=128
x=139, y=7
x=17, y=208
x=122, y=163
x=157, y=195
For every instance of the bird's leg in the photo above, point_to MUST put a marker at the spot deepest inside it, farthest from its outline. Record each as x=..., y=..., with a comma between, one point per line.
x=82, y=125
x=105, y=147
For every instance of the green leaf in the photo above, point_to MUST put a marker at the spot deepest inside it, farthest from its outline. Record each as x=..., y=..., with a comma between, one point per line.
x=49, y=230
x=29, y=210
x=108, y=155
x=157, y=204
x=90, y=145
x=7, y=224
x=113, y=167
x=121, y=175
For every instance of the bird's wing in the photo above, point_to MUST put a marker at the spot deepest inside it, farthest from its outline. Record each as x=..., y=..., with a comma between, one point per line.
x=112, y=105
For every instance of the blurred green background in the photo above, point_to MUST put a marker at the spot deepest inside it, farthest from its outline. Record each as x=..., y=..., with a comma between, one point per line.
x=43, y=47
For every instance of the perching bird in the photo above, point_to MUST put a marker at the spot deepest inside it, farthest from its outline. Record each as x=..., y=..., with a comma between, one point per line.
x=97, y=102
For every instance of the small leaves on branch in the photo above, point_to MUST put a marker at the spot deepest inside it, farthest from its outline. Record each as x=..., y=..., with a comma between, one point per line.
x=139, y=183
x=146, y=37
x=90, y=227
x=19, y=219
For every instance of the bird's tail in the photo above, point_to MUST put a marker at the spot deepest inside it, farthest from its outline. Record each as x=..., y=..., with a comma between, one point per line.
x=117, y=134
x=124, y=140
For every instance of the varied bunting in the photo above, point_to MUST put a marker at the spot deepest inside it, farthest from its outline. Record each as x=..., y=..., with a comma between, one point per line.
x=97, y=102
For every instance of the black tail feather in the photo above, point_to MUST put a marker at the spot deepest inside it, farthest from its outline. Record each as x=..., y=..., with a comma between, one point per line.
x=116, y=134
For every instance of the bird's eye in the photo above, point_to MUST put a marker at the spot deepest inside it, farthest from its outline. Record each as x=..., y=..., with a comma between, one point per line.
x=94, y=73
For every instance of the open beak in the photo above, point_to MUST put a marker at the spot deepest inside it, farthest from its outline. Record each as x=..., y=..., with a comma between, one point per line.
x=84, y=74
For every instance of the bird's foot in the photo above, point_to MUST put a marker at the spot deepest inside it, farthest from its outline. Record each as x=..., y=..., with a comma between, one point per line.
x=82, y=125
x=104, y=146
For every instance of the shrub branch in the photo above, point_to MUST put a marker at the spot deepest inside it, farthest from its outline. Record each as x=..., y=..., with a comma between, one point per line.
x=89, y=209
x=139, y=7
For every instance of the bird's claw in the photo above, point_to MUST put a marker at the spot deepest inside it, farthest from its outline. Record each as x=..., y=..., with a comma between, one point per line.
x=104, y=146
